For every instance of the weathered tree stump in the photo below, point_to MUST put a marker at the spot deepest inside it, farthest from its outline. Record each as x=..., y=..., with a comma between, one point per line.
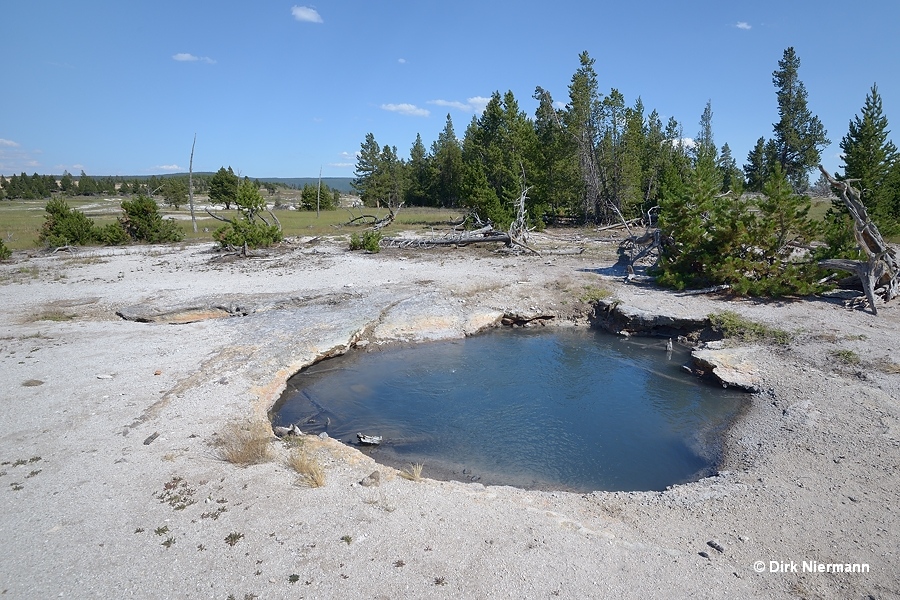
x=879, y=274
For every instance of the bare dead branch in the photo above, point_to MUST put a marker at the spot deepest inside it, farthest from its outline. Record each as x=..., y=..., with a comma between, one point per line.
x=882, y=270
x=215, y=216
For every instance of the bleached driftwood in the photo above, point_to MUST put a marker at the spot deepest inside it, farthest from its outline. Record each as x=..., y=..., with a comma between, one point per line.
x=879, y=273
x=485, y=234
x=708, y=290
x=377, y=223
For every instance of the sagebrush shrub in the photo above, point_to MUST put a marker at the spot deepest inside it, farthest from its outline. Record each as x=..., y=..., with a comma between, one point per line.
x=368, y=242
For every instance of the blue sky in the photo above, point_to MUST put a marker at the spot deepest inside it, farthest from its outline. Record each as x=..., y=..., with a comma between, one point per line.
x=282, y=89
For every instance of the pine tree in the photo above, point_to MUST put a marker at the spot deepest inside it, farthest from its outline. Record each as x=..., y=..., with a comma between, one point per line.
x=732, y=176
x=869, y=158
x=556, y=179
x=369, y=171
x=582, y=118
x=476, y=191
x=419, y=167
x=799, y=135
x=447, y=161
x=654, y=159
x=705, y=143
x=393, y=177
x=630, y=196
x=756, y=170
x=685, y=218
x=86, y=185
x=223, y=187
x=781, y=221
x=498, y=152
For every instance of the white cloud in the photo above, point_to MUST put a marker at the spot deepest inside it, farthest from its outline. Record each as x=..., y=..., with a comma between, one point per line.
x=306, y=14
x=15, y=159
x=684, y=142
x=478, y=103
x=406, y=109
x=341, y=164
x=350, y=155
x=188, y=57
x=450, y=104
x=168, y=168
x=473, y=104
x=743, y=25
x=402, y=61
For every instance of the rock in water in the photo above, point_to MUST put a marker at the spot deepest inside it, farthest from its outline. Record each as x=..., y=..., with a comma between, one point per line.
x=731, y=367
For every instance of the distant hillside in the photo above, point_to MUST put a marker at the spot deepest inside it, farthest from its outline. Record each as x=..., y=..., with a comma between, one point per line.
x=341, y=184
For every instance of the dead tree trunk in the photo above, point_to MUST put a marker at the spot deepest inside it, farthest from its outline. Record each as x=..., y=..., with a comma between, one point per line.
x=191, y=184
x=479, y=236
x=879, y=274
x=374, y=221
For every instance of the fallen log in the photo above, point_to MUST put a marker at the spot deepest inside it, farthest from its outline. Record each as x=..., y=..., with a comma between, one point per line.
x=454, y=240
x=708, y=290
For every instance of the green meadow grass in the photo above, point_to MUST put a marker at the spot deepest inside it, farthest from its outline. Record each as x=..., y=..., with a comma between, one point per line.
x=21, y=220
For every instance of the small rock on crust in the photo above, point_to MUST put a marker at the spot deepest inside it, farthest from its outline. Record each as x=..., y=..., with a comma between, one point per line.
x=374, y=479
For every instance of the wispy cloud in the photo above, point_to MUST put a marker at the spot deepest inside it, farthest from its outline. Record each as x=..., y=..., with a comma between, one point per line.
x=473, y=104
x=188, y=57
x=15, y=159
x=406, y=109
x=402, y=61
x=342, y=164
x=168, y=168
x=306, y=14
x=450, y=104
x=743, y=25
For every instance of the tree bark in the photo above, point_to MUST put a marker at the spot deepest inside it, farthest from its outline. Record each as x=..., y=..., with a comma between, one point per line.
x=191, y=184
x=881, y=270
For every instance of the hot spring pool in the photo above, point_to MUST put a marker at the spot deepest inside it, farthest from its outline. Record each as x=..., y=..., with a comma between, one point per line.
x=548, y=408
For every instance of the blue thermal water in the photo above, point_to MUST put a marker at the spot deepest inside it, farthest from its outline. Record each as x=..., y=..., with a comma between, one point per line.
x=548, y=408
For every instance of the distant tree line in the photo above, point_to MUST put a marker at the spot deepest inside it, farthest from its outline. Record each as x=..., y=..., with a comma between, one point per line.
x=172, y=189
x=223, y=188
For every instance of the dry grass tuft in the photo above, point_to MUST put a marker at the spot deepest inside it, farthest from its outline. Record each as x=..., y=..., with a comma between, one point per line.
x=888, y=366
x=310, y=472
x=51, y=315
x=593, y=294
x=246, y=444
x=413, y=472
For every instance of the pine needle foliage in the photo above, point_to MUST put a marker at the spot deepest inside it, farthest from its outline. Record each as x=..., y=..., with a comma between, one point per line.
x=753, y=246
